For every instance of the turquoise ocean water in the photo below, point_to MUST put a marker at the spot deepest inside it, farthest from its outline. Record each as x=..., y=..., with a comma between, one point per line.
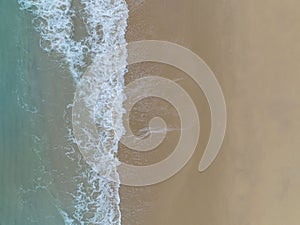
x=23, y=198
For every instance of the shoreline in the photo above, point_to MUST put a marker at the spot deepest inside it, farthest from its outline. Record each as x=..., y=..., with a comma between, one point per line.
x=254, y=54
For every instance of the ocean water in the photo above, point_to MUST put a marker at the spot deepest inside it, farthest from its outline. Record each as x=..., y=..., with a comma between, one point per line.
x=46, y=46
x=23, y=196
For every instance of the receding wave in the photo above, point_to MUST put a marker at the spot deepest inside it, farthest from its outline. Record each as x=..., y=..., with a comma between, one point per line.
x=103, y=44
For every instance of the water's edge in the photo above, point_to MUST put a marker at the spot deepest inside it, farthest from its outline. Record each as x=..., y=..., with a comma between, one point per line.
x=94, y=200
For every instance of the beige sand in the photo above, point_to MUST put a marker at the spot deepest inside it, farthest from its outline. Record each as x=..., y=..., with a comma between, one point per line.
x=253, y=47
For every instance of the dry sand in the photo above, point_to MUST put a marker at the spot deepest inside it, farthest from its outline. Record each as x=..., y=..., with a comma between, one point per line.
x=253, y=47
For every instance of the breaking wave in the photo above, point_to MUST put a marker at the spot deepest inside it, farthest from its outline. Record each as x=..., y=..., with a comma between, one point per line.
x=102, y=43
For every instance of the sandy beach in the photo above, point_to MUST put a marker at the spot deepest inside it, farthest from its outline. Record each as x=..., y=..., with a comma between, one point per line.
x=253, y=48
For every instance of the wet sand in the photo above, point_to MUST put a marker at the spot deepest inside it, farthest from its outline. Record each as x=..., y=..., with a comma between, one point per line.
x=253, y=48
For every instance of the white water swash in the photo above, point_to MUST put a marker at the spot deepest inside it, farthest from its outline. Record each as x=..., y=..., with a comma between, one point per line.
x=103, y=41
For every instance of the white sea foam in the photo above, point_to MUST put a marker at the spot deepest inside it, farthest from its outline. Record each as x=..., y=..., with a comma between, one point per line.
x=96, y=200
x=105, y=21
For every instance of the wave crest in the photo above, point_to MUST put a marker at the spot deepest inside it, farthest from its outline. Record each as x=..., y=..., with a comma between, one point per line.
x=104, y=45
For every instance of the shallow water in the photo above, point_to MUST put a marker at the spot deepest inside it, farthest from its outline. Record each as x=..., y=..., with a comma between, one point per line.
x=23, y=196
